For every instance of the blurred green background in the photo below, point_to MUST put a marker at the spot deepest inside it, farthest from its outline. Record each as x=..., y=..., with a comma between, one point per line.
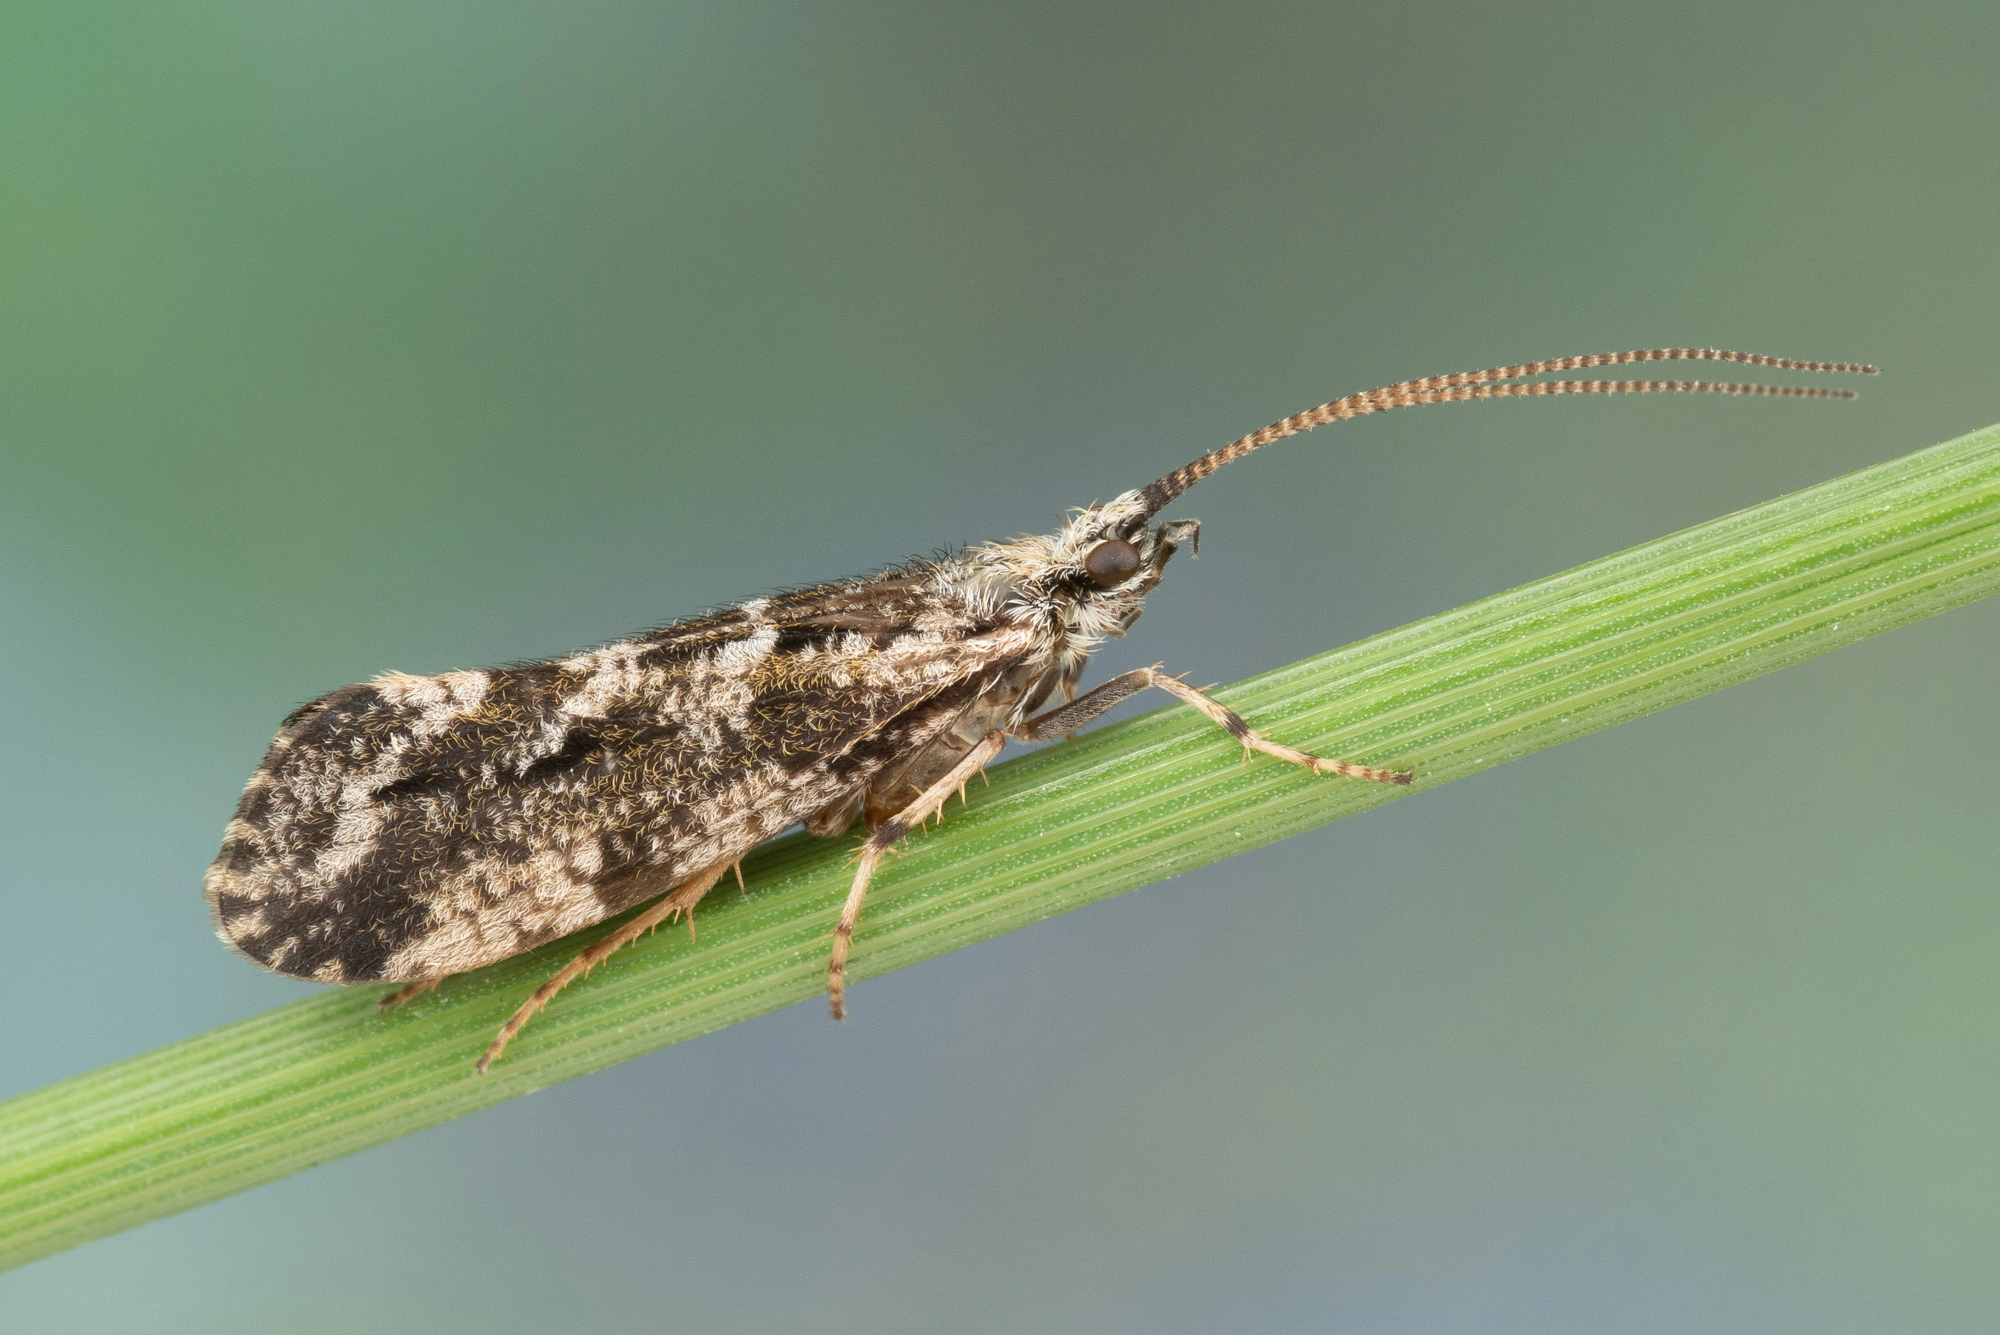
x=345, y=337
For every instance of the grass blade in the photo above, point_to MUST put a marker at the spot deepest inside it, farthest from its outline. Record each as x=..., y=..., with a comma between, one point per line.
x=1448, y=696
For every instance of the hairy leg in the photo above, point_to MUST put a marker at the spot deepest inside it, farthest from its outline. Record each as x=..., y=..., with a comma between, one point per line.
x=408, y=993
x=681, y=899
x=928, y=803
x=1061, y=722
x=1058, y=722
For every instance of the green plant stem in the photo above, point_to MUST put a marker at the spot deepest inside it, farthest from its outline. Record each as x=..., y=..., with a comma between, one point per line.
x=1129, y=804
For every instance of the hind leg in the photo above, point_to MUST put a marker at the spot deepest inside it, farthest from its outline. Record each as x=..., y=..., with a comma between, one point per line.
x=681, y=899
x=408, y=993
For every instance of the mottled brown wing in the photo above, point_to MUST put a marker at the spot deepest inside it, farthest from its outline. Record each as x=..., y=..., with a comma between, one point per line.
x=415, y=827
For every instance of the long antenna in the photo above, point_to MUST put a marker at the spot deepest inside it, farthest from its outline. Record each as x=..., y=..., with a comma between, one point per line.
x=1481, y=385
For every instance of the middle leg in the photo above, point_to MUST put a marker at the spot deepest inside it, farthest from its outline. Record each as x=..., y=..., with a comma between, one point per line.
x=928, y=803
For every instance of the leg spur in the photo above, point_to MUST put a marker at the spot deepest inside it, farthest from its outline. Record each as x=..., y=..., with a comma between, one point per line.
x=681, y=899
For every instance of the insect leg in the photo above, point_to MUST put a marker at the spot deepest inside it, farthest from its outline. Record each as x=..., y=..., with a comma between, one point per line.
x=682, y=898
x=929, y=803
x=1063, y=721
x=1059, y=722
x=410, y=993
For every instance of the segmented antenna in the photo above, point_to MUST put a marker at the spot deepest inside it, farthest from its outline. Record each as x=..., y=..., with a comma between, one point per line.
x=1482, y=385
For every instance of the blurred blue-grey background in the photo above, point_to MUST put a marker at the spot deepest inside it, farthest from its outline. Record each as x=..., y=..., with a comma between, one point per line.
x=344, y=337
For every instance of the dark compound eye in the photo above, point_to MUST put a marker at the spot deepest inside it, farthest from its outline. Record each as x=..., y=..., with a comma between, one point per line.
x=1111, y=563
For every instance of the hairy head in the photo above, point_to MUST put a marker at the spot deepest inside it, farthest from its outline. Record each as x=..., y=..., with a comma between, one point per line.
x=1089, y=579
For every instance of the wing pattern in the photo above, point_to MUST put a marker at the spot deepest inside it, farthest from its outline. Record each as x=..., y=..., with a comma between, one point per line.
x=413, y=827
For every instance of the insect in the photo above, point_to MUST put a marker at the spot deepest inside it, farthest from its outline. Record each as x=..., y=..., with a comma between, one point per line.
x=411, y=828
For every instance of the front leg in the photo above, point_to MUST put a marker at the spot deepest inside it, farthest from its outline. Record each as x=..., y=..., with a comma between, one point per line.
x=1056, y=723
x=1061, y=722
